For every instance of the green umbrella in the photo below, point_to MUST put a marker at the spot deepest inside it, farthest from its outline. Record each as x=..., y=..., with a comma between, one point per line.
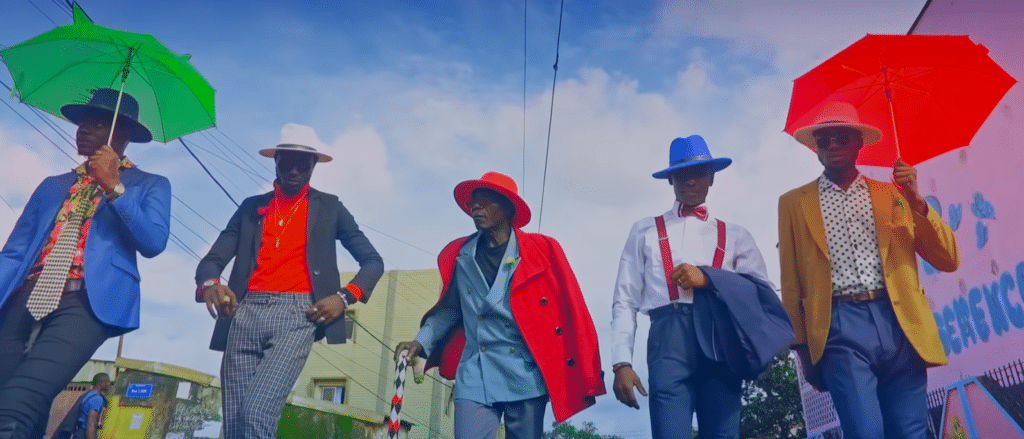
x=64, y=65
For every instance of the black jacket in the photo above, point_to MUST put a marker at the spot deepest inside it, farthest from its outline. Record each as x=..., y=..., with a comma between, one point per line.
x=328, y=220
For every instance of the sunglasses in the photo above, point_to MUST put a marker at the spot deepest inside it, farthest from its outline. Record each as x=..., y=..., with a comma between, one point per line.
x=302, y=164
x=842, y=139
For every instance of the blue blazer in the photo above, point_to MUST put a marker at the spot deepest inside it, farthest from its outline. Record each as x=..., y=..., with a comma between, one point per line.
x=138, y=221
x=740, y=320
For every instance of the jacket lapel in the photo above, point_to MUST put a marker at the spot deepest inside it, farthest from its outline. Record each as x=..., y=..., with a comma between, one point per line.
x=531, y=263
x=257, y=220
x=811, y=204
x=315, y=207
x=882, y=203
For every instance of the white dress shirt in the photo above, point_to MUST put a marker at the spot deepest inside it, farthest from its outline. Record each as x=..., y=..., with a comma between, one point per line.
x=641, y=284
x=852, y=236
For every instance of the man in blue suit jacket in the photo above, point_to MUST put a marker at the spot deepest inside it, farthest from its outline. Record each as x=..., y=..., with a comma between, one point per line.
x=55, y=314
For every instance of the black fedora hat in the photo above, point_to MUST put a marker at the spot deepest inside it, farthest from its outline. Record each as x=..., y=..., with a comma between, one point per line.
x=104, y=101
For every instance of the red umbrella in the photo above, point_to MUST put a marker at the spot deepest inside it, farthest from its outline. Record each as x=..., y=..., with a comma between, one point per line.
x=928, y=94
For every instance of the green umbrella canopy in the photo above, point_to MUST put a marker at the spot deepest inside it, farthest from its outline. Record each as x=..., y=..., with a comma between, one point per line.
x=64, y=65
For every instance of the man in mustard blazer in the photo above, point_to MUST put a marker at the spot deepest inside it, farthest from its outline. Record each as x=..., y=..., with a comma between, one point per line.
x=847, y=246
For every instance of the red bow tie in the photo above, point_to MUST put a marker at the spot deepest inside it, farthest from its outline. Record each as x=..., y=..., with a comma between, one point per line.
x=700, y=212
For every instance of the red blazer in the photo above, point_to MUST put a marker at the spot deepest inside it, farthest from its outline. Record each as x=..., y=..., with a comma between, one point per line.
x=548, y=306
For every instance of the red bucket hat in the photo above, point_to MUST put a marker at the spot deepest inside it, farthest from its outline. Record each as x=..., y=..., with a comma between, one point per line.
x=501, y=184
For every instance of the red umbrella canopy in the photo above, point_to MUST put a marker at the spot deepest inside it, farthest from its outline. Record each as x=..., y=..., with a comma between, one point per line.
x=943, y=87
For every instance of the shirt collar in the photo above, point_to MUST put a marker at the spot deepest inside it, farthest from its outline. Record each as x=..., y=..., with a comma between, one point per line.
x=824, y=184
x=124, y=164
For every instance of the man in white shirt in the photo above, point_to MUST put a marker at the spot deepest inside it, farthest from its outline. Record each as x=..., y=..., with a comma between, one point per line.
x=680, y=367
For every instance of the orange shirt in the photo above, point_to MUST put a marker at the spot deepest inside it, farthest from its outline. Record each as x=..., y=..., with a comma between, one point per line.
x=281, y=264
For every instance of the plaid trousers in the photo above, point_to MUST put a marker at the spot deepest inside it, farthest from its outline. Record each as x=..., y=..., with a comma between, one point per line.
x=267, y=346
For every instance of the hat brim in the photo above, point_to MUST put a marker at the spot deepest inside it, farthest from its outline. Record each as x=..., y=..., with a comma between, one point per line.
x=464, y=190
x=320, y=157
x=805, y=135
x=717, y=164
x=75, y=113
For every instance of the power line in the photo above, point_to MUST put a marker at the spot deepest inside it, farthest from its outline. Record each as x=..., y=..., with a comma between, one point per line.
x=197, y=213
x=208, y=172
x=217, y=129
x=399, y=240
x=41, y=12
x=551, y=115
x=523, y=181
x=174, y=217
x=349, y=377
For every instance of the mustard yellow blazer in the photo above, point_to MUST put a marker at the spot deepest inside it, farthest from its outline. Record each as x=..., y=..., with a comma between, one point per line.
x=807, y=269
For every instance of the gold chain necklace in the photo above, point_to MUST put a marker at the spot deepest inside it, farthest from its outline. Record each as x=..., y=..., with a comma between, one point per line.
x=283, y=223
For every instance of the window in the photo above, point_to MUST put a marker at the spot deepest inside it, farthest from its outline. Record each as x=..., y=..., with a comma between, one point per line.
x=330, y=390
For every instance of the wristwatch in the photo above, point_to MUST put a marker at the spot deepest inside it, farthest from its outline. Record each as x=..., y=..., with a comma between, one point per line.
x=116, y=192
x=209, y=283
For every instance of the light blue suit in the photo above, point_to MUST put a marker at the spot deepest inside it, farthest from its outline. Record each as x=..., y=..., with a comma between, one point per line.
x=496, y=366
x=138, y=221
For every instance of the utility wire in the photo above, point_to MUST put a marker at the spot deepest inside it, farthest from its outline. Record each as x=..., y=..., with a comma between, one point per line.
x=41, y=12
x=551, y=115
x=208, y=171
x=523, y=181
x=241, y=149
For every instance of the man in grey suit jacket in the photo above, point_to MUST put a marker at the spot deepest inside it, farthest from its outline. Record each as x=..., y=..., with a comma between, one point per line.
x=284, y=291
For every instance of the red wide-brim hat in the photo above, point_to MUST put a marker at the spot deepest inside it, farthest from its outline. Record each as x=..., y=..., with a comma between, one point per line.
x=501, y=184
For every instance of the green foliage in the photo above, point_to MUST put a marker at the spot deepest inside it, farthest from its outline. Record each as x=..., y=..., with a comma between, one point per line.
x=566, y=430
x=771, y=404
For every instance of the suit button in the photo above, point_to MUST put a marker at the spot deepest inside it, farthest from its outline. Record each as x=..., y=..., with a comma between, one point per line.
x=316, y=272
x=558, y=330
x=543, y=300
x=480, y=317
x=570, y=362
x=483, y=348
x=511, y=350
x=508, y=324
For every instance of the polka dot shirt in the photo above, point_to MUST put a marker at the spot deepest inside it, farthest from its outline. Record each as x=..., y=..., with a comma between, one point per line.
x=852, y=237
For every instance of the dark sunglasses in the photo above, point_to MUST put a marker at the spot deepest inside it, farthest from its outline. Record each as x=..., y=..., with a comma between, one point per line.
x=302, y=164
x=842, y=139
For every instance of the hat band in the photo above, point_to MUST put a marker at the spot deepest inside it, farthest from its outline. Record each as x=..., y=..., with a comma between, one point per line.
x=691, y=159
x=296, y=146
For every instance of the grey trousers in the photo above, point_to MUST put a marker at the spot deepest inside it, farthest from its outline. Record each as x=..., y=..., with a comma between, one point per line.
x=267, y=346
x=523, y=419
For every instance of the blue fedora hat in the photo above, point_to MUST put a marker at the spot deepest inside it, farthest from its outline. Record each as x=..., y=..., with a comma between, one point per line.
x=103, y=102
x=691, y=151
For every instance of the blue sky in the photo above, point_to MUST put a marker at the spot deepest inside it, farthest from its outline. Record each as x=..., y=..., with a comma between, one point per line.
x=413, y=97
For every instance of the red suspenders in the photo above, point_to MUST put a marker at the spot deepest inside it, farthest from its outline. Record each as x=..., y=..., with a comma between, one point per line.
x=666, y=254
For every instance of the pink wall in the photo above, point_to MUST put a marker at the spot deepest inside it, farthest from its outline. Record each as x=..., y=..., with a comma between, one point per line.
x=980, y=192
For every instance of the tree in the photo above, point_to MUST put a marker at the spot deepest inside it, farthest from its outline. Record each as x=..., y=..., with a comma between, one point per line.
x=771, y=404
x=566, y=430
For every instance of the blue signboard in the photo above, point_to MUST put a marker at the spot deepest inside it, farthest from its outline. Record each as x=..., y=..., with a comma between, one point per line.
x=139, y=391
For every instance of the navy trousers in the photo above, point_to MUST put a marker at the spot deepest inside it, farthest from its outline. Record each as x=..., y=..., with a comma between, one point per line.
x=32, y=375
x=683, y=381
x=876, y=379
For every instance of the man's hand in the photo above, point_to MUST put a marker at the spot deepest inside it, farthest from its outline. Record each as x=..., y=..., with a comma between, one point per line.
x=689, y=276
x=809, y=370
x=220, y=301
x=104, y=167
x=905, y=178
x=327, y=309
x=414, y=347
x=625, y=381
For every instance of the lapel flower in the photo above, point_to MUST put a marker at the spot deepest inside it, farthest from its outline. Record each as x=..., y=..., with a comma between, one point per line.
x=511, y=261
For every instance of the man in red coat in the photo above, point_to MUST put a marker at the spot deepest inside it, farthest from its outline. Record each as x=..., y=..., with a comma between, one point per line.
x=511, y=326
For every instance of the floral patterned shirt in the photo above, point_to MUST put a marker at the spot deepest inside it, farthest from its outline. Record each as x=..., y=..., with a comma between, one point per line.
x=82, y=188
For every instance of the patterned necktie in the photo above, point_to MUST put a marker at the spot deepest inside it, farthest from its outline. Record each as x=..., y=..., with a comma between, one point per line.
x=700, y=212
x=46, y=294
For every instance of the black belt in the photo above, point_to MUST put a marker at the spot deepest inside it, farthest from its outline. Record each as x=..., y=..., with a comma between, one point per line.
x=69, y=286
x=862, y=296
x=663, y=311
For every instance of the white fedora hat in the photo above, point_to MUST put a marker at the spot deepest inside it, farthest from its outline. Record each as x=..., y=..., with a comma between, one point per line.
x=298, y=138
x=837, y=114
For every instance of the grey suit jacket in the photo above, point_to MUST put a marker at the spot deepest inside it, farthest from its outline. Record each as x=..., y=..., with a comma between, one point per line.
x=328, y=220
